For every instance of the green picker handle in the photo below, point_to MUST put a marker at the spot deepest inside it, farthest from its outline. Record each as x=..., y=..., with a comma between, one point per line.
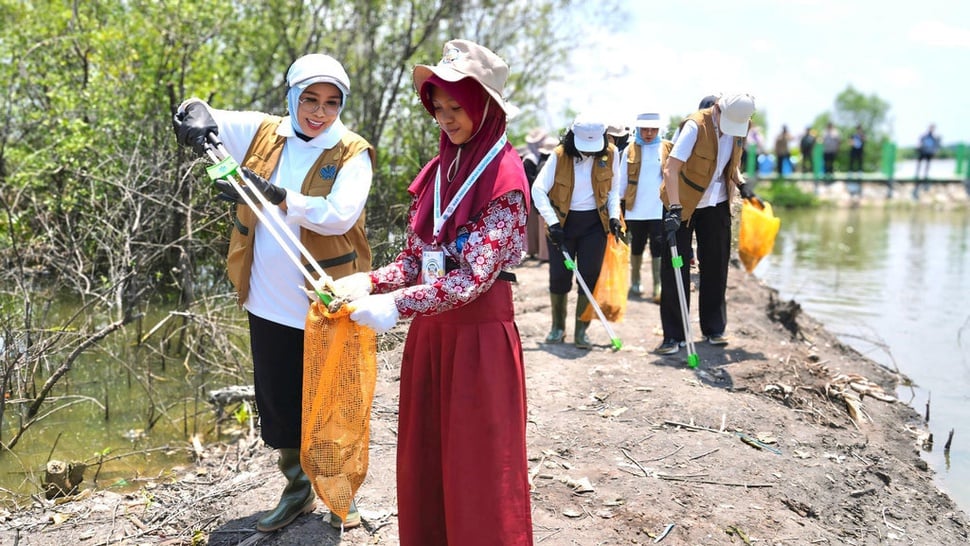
x=571, y=265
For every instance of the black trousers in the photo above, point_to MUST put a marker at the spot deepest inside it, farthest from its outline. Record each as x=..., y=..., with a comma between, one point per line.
x=643, y=231
x=712, y=226
x=586, y=243
x=278, y=377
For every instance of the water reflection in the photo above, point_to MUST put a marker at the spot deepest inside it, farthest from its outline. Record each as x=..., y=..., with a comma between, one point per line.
x=892, y=283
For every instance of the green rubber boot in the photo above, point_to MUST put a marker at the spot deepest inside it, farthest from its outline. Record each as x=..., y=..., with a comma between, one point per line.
x=635, y=289
x=558, y=331
x=297, y=497
x=580, y=339
x=655, y=266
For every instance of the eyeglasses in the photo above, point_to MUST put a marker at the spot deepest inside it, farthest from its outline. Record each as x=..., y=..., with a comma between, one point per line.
x=312, y=105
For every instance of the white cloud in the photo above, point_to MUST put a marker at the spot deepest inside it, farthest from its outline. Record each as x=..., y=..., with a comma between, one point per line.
x=939, y=34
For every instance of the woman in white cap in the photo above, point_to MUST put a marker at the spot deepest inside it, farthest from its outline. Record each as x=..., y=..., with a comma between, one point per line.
x=318, y=174
x=576, y=194
x=462, y=471
x=640, y=177
x=701, y=175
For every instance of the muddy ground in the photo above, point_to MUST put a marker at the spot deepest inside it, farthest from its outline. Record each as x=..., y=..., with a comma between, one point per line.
x=784, y=436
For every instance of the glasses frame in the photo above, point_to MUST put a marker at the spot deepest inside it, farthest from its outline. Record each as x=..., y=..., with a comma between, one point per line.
x=328, y=109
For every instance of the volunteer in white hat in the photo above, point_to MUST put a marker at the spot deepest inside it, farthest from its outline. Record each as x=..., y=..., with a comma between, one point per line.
x=576, y=195
x=640, y=178
x=319, y=179
x=700, y=178
x=462, y=471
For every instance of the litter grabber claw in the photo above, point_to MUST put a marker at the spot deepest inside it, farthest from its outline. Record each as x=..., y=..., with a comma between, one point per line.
x=224, y=167
x=571, y=265
x=678, y=262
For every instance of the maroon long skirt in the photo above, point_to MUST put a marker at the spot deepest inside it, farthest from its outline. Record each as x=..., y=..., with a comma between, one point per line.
x=462, y=473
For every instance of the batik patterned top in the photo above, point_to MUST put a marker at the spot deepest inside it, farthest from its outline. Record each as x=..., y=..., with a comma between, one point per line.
x=483, y=248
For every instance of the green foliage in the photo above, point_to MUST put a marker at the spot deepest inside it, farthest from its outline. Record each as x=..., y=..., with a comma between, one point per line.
x=786, y=194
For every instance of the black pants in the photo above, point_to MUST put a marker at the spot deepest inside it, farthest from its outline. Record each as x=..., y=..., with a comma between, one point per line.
x=278, y=377
x=712, y=225
x=586, y=243
x=828, y=159
x=643, y=231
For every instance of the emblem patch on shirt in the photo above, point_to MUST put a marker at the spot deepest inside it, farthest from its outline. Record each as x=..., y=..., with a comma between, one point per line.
x=329, y=172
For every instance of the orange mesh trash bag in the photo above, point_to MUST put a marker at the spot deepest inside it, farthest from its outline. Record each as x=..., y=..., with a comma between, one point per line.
x=756, y=237
x=339, y=374
x=613, y=283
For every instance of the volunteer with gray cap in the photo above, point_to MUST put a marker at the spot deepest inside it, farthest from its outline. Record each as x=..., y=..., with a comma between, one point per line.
x=640, y=178
x=700, y=178
x=318, y=173
x=576, y=194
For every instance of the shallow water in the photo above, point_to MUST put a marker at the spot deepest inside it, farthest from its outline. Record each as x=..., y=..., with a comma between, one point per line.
x=895, y=285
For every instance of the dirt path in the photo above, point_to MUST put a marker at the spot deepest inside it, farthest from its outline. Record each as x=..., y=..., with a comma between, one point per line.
x=757, y=446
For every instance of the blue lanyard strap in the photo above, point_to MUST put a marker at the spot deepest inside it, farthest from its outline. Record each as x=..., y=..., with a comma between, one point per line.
x=441, y=217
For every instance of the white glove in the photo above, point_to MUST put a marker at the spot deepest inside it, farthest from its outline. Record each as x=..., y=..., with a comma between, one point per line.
x=353, y=286
x=377, y=312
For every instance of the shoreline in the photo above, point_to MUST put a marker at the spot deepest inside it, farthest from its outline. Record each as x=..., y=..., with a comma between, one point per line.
x=650, y=443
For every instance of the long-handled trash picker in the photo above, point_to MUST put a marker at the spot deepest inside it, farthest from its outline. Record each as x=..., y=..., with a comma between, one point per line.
x=571, y=265
x=224, y=167
x=692, y=359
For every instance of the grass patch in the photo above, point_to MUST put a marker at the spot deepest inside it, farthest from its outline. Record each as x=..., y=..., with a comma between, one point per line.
x=785, y=194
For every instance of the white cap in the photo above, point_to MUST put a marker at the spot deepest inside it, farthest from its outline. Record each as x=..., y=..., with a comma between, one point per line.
x=318, y=68
x=589, y=134
x=649, y=120
x=736, y=112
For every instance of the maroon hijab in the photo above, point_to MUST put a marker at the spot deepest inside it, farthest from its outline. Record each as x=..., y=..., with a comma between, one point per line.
x=502, y=175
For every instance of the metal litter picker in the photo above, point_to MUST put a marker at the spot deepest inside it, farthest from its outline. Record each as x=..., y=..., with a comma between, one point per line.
x=571, y=265
x=678, y=262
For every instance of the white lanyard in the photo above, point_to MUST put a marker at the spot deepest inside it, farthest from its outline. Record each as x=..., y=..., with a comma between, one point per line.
x=439, y=216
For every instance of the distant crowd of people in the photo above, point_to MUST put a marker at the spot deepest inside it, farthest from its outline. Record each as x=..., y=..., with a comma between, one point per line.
x=830, y=143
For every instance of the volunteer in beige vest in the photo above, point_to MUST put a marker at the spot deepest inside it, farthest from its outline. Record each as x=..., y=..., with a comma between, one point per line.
x=640, y=178
x=700, y=177
x=318, y=174
x=576, y=195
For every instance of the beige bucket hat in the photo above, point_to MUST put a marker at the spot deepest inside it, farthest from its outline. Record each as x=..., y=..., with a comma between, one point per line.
x=465, y=59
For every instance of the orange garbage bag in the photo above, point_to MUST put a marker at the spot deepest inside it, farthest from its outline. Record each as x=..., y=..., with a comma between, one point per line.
x=613, y=283
x=339, y=375
x=756, y=236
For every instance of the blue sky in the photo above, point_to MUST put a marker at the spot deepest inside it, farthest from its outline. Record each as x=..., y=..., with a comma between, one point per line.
x=794, y=56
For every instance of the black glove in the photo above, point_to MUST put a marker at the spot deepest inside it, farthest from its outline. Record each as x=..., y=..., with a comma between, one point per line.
x=192, y=125
x=671, y=222
x=227, y=192
x=556, y=235
x=273, y=194
x=748, y=193
x=616, y=228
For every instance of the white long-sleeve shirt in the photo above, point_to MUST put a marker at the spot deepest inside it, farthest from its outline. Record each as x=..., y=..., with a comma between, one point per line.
x=647, y=205
x=275, y=284
x=583, y=198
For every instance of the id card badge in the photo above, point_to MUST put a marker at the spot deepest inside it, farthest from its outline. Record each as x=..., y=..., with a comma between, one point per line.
x=432, y=265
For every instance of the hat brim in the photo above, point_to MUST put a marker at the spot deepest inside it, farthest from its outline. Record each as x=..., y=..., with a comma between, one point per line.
x=733, y=128
x=589, y=146
x=648, y=124
x=422, y=72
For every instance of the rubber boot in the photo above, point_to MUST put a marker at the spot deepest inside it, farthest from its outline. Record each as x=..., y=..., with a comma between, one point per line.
x=353, y=518
x=558, y=331
x=655, y=267
x=297, y=497
x=635, y=289
x=580, y=339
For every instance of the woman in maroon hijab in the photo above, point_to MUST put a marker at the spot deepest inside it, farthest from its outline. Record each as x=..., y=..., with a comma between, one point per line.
x=462, y=472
